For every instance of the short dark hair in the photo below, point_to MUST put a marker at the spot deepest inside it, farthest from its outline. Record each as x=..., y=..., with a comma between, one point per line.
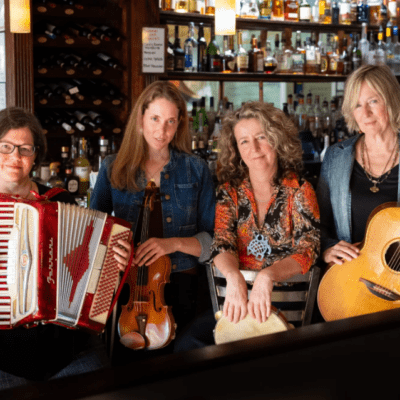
x=16, y=118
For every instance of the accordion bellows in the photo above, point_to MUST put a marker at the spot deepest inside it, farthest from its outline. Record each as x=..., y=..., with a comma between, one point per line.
x=57, y=264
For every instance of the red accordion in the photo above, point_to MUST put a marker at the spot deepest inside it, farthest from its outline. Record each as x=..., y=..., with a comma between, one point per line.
x=57, y=264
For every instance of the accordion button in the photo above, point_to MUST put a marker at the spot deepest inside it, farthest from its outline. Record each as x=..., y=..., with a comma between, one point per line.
x=167, y=197
x=174, y=266
x=169, y=219
x=166, y=176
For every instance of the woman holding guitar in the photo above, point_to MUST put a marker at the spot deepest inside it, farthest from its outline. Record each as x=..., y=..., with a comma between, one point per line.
x=357, y=176
x=362, y=172
x=156, y=148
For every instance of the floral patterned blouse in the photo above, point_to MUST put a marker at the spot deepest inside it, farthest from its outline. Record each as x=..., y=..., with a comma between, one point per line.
x=291, y=225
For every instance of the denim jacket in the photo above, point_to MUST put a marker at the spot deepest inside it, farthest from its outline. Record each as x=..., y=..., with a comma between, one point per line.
x=333, y=193
x=187, y=203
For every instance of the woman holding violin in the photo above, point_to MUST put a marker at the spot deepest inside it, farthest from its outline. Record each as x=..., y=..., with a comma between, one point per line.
x=156, y=148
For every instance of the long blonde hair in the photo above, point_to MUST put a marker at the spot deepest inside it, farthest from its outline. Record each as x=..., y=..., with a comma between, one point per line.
x=134, y=149
x=282, y=136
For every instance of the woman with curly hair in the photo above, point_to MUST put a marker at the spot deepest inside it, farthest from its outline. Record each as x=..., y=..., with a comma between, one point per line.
x=261, y=199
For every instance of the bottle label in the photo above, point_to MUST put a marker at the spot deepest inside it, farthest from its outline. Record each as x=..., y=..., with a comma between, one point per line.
x=188, y=60
x=311, y=56
x=83, y=173
x=73, y=186
x=305, y=13
x=242, y=61
x=298, y=63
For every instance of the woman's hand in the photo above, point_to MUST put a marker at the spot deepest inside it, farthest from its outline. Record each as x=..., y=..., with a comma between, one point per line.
x=151, y=250
x=259, y=306
x=122, y=253
x=341, y=252
x=235, y=306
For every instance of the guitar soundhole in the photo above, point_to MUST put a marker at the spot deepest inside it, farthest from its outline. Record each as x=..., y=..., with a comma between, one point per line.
x=392, y=256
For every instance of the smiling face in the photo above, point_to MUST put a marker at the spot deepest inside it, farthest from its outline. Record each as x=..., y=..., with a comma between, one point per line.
x=371, y=112
x=160, y=122
x=254, y=147
x=15, y=168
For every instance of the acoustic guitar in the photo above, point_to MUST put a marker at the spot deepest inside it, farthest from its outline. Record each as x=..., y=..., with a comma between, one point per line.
x=370, y=282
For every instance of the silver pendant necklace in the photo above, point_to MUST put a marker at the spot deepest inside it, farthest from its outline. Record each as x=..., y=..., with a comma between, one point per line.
x=259, y=246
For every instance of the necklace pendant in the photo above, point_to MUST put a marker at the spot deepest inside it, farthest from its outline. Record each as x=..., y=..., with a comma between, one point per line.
x=258, y=247
x=374, y=189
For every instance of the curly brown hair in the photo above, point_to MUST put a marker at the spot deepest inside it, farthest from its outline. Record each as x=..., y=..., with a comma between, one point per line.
x=282, y=136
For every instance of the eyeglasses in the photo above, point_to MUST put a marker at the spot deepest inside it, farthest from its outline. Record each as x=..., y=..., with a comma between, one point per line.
x=25, y=150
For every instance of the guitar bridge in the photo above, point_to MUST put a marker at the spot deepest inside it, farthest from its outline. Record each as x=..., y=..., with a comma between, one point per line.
x=380, y=291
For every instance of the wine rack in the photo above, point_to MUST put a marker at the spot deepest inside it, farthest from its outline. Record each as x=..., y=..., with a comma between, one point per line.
x=84, y=74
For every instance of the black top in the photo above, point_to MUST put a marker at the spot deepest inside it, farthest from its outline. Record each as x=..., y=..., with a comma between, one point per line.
x=40, y=352
x=363, y=201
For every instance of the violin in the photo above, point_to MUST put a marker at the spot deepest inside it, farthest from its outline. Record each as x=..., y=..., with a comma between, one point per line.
x=146, y=321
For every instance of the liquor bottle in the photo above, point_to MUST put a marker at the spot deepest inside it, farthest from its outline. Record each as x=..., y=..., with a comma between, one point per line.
x=179, y=54
x=201, y=6
x=170, y=64
x=298, y=56
x=335, y=11
x=318, y=123
x=315, y=11
x=334, y=57
x=265, y=8
x=82, y=167
x=396, y=51
x=344, y=65
x=181, y=6
x=374, y=11
x=210, y=7
x=356, y=57
x=202, y=50
x=167, y=5
x=64, y=161
x=328, y=12
x=277, y=13
x=364, y=44
x=324, y=58
x=278, y=53
x=300, y=114
x=345, y=12
x=383, y=13
x=193, y=7
x=214, y=60
x=287, y=57
x=99, y=158
x=256, y=58
x=291, y=10
x=353, y=12
x=249, y=9
x=211, y=116
x=389, y=45
x=313, y=57
x=71, y=181
x=380, y=53
x=202, y=118
x=290, y=108
x=55, y=180
x=304, y=11
x=242, y=58
x=371, y=49
x=362, y=11
x=270, y=62
x=212, y=158
x=322, y=5
x=190, y=49
x=392, y=11
x=229, y=56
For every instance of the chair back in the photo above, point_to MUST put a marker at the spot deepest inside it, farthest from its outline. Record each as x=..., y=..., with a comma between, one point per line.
x=295, y=297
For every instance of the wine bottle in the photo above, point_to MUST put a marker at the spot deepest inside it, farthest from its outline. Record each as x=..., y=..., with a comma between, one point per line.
x=72, y=89
x=179, y=54
x=201, y=50
x=97, y=33
x=42, y=92
x=214, y=60
x=103, y=150
x=110, y=33
x=59, y=31
x=58, y=120
x=73, y=120
x=84, y=119
x=108, y=61
x=79, y=30
x=59, y=91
